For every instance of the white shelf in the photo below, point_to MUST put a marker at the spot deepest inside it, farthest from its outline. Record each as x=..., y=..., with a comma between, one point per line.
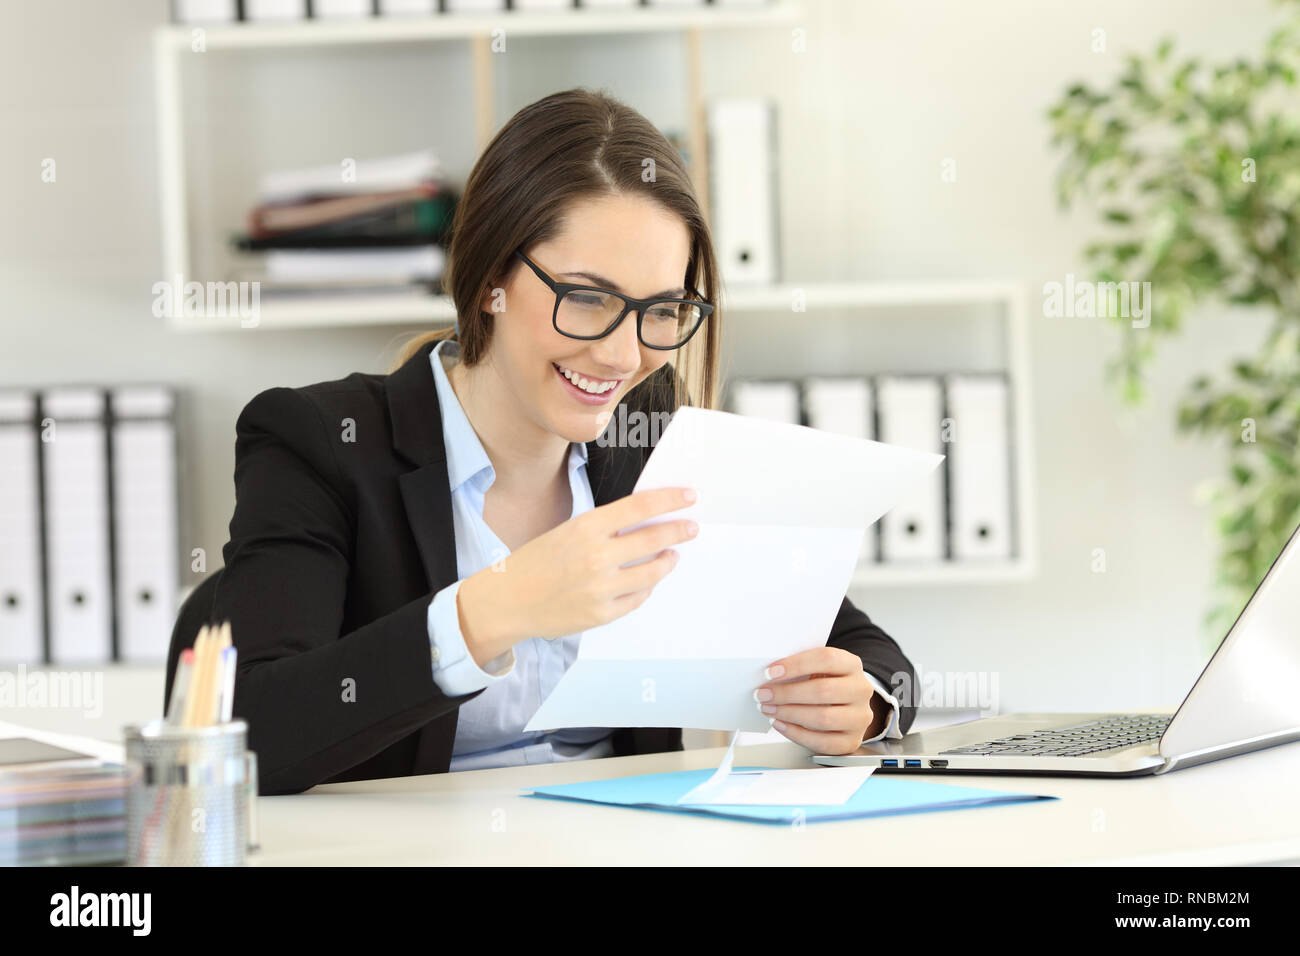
x=277, y=313
x=459, y=26
x=323, y=311
x=847, y=295
x=950, y=572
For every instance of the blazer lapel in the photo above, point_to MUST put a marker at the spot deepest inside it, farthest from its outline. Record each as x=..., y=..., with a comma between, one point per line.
x=426, y=494
x=417, y=436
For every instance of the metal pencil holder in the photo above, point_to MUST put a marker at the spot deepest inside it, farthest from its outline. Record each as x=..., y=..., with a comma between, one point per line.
x=190, y=793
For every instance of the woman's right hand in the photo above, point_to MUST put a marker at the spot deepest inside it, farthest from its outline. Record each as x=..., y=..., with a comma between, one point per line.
x=573, y=578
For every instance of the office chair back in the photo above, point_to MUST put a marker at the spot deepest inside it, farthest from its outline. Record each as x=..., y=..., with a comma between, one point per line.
x=194, y=613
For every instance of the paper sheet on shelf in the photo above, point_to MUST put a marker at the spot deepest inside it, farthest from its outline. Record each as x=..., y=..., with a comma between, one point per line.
x=781, y=511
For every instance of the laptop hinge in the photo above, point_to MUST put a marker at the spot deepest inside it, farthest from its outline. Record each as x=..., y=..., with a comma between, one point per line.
x=1194, y=757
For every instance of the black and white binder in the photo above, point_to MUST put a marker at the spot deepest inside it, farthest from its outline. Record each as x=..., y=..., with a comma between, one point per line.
x=911, y=413
x=844, y=406
x=774, y=400
x=205, y=11
x=22, y=623
x=980, y=466
x=742, y=186
x=341, y=9
x=407, y=8
x=79, y=594
x=145, y=535
x=270, y=10
x=474, y=6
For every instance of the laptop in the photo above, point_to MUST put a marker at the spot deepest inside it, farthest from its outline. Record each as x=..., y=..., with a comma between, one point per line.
x=1247, y=698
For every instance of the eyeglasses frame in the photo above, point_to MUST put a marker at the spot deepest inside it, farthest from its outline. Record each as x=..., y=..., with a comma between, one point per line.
x=561, y=289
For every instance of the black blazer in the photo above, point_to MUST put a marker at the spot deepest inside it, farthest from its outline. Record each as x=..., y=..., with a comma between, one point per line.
x=341, y=535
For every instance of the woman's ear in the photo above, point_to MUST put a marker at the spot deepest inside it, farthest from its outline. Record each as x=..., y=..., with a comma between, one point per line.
x=494, y=297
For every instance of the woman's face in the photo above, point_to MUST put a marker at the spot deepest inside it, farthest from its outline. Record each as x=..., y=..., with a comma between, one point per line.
x=625, y=244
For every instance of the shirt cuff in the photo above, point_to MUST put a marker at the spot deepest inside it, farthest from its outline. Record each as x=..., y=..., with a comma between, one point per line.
x=454, y=668
x=891, y=730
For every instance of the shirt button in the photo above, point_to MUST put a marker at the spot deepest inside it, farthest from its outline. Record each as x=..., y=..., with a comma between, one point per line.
x=437, y=654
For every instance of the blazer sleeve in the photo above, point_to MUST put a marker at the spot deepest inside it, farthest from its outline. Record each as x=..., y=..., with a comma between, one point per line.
x=317, y=701
x=881, y=655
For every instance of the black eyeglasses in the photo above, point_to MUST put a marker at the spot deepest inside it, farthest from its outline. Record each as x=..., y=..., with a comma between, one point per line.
x=589, y=312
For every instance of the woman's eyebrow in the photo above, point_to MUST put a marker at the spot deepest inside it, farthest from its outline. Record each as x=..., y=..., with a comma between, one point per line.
x=614, y=287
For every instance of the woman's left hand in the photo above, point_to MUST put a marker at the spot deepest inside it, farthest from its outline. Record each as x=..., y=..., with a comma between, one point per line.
x=821, y=699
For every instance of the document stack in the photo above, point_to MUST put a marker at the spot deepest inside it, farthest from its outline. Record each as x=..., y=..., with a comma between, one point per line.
x=368, y=224
x=61, y=811
x=962, y=512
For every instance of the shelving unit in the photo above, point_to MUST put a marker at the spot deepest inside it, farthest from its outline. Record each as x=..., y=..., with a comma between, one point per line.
x=172, y=42
x=924, y=301
x=820, y=299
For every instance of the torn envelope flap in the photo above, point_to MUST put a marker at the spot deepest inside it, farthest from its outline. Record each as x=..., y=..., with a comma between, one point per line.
x=780, y=788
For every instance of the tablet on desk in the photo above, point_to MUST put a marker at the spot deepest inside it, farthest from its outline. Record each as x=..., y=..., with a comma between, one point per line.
x=19, y=751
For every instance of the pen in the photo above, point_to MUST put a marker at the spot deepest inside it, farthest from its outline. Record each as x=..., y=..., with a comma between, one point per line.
x=228, y=655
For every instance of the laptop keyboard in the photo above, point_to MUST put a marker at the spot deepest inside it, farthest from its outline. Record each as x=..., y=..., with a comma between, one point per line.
x=1095, y=736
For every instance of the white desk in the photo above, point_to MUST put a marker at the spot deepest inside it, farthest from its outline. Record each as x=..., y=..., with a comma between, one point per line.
x=1230, y=812
x=1236, y=811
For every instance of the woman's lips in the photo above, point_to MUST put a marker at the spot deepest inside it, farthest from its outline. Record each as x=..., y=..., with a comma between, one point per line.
x=583, y=396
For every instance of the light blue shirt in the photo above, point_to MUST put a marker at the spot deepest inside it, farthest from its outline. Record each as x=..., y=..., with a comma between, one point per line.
x=490, y=731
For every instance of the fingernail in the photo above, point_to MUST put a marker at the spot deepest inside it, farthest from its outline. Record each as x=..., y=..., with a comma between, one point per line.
x=773, y=672
x=762, y=694
x=767, y=708
x=689, y=494
x=760, y=708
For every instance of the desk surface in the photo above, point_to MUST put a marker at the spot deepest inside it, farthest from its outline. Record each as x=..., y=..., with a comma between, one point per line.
x=1230, y=812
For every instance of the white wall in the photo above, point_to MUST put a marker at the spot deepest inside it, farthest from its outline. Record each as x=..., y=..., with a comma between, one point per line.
x=885, y=91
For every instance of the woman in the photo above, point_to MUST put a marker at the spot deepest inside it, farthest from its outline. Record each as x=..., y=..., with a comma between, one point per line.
x=414, y=556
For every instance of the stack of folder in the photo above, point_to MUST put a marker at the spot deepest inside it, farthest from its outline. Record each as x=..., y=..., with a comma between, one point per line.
x=962, y=513
x=369, y=223
x=62, y=814
x=89, y=522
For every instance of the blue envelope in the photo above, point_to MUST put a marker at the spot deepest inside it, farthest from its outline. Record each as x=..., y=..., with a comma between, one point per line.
x=879, y=796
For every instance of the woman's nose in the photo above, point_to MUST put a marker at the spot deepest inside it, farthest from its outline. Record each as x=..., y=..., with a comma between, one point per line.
x=621, y=349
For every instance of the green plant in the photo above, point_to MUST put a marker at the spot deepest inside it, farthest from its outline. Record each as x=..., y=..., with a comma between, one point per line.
x=1194, y=172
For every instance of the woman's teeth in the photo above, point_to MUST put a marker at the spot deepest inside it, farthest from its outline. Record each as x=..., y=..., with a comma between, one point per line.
x=586, y=384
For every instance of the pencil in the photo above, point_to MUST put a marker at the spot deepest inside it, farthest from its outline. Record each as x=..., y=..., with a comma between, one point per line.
x=196, y=678
x=211, y=677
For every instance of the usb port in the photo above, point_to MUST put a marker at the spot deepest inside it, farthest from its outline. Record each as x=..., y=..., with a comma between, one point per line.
x=911, y=763
x=889, y=763
x=939, y=763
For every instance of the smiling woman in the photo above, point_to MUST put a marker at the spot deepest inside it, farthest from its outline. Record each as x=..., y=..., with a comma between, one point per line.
x=415, y=556
x=586, y=191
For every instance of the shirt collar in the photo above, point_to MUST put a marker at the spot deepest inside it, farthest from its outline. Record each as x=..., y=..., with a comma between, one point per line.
x=466, y=458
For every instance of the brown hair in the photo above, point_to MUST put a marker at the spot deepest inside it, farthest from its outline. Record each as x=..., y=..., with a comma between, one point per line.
x=565, y=147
